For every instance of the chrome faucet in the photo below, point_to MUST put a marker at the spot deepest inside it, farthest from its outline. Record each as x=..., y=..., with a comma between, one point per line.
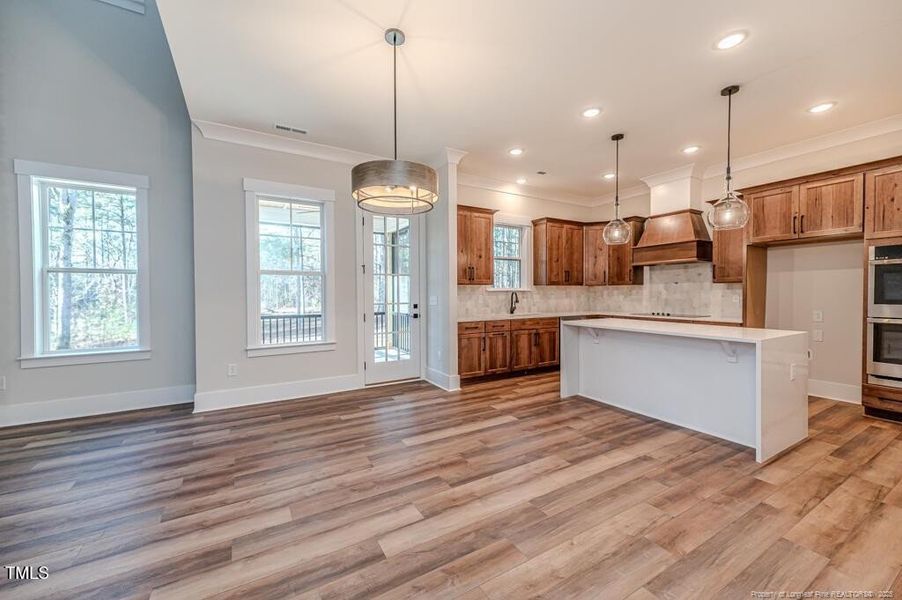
x=515, y=300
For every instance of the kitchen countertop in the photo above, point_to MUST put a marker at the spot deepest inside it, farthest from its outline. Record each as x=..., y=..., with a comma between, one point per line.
x=690, y=330
x=540, y=315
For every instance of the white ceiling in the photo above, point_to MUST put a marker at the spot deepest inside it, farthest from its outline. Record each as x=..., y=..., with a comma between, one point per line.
x=484, y=76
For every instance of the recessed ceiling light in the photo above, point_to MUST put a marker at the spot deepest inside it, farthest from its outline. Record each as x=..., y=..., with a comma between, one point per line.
x=515, y=151
x=591, y=112
x=822, y=107
x=609, y=176
x=521, y=180
x=690, y=149
x=731, y=40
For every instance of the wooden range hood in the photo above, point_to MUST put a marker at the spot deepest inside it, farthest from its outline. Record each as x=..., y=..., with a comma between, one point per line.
x=673, y=238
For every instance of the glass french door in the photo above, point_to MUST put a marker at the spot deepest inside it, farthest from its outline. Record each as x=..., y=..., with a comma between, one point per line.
x=391, y=282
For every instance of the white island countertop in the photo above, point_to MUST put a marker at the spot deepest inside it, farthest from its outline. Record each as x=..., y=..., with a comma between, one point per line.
x=692, y=330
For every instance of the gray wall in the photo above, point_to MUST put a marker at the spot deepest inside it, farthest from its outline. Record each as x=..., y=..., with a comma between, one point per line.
x=220, y=272
x=88, y=84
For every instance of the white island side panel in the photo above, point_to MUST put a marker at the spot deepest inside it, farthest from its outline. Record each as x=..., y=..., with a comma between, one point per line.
x=686, y=381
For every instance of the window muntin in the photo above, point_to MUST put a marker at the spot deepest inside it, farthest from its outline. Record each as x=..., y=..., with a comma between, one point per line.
x=291, y=271
x=87, y=266
x=508, y=257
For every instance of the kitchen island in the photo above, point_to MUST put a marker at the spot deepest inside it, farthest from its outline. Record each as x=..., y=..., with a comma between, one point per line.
x=748, y=386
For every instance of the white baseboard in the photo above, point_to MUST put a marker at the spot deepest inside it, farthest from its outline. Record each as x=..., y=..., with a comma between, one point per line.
x=275, y=392
x=450, y=383
x=86, y=406
x=835, y=391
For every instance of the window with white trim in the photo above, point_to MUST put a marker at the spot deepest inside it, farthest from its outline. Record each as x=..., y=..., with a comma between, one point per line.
x=289, y=279
x=83, y=261
x=508, y=249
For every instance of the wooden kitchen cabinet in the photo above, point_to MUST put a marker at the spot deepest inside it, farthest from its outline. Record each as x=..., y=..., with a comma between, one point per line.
x=817, y=208
x=774, y=214
x=471, y=354
x=595, y=254
x=546, y=347
x=729, y=255
x=474, y=245
x=497, y=347
x=883, y=202
x=831, y=206
x=558, y=252
x=611, y=265
x=534, y=343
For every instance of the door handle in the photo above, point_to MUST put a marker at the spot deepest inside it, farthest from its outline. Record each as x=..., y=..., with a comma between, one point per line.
x=535, y=338
x=802, y=224
x=483, y=343
x=794, y=218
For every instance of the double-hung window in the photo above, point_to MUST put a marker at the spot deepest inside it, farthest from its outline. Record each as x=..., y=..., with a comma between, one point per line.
x=289, y=274
x=84, y=267
x=508, y=249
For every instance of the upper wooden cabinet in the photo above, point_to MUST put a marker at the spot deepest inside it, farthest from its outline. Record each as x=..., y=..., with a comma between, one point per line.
x=774, y=214
x=474, y=245
x=810, y=209
x=729, y=255
x=558, y=252
x=831, y=206
x=595, y=255
x=883, y=202
x=611, y=265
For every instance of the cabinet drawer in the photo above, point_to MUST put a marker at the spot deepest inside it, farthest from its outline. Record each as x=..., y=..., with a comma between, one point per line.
x=492, y=326
x=471, y=327
x=552, y=323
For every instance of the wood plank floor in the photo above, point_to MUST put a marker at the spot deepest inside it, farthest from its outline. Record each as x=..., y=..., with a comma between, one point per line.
x=502, y=490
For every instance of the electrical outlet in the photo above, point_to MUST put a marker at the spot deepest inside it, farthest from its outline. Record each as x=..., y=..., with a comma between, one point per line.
x=3, y=383
x=817, y=316
x=817, y=335
x=232, y=370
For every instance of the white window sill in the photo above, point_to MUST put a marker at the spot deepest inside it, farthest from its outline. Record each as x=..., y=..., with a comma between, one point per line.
x=274, y=350
x=508, y=290
x=83, y=358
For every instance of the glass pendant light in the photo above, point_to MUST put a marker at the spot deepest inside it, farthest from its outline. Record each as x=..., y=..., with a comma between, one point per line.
x=394, y=187
x=731, y=211
x=617, y=231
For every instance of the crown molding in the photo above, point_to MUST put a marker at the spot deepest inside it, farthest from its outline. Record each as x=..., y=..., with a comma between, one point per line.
x=504, y=187
x=685, y=172
x=636, y=190
x=453, y=156
x=827, y=141
x=270, y=141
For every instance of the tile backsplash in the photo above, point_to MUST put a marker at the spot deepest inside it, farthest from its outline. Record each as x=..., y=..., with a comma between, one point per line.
x=685, y=289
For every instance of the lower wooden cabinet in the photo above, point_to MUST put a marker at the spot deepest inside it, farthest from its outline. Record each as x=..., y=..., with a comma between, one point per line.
x=494, y=347
x=471, y=354
x=497, y=352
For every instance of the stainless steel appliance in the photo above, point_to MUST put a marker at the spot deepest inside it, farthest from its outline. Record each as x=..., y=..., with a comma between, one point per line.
x=885, y=281
x=884, y=351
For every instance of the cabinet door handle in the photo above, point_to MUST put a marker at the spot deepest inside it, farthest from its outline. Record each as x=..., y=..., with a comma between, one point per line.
x=802, y=224
x=483, y=343
x=794, y=218
x=535, y=338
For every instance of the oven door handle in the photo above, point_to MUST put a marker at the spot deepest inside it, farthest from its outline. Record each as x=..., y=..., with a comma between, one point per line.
x=885, y=321
x=885, y=261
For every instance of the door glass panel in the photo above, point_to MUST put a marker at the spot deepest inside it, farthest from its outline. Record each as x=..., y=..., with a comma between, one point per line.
x=391, y=289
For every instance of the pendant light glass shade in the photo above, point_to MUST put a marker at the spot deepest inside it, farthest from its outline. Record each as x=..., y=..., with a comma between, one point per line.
x=617, y=231
x=731, y=211
x=394, y=187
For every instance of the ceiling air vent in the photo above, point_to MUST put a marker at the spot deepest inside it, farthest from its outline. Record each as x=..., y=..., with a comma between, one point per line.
x=288, y=129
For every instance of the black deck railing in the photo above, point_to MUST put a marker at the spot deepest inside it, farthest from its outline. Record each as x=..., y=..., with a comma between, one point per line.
x=294, y=328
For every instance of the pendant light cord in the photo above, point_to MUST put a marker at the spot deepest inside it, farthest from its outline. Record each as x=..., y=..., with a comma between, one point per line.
x=729, y=177
x=617, y=179
x=394, y=50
